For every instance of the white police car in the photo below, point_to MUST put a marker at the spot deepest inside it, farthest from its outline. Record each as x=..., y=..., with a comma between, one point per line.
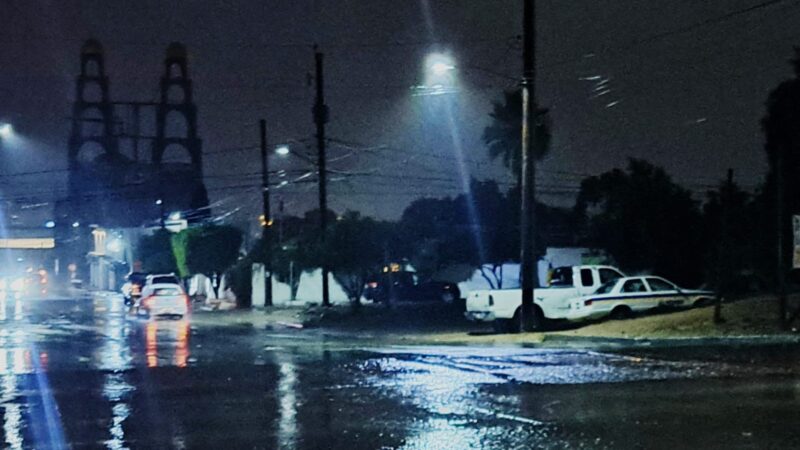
x=622, y=297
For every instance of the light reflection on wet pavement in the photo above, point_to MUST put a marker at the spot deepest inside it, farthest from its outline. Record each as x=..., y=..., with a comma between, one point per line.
x=82, y=374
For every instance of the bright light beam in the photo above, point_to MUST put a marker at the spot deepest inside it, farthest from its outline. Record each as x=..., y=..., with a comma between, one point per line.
x=6, y=130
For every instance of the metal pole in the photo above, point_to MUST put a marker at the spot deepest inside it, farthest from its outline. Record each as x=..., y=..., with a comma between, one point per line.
x=320, y=118
x=723, y=255
x=266, y=233
x=781, y=269
x=528, y=217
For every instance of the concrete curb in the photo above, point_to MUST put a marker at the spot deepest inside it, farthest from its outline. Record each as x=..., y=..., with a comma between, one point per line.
x=597, y=341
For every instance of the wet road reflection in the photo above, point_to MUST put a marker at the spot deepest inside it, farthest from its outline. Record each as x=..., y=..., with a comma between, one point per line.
x=84, y=374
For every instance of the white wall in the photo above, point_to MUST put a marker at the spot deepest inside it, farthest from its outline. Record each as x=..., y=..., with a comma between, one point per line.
x=310, y=290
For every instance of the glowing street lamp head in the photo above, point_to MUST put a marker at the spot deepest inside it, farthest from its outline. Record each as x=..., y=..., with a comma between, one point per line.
x=114, y=245
x=440, y=68
x=283, y=150
x=439, y=76
x=439, y=65
x=6, y=130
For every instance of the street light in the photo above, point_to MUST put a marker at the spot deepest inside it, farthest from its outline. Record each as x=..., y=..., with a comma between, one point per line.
x=439, y=76
x=440, y=68
x=6, y=130
x=283, y=150
x=114, y=245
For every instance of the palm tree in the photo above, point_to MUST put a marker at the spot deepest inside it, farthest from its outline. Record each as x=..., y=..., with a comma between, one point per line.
x=504, y=136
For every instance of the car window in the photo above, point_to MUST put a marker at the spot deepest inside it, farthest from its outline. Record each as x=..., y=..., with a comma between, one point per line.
x=635, y=285
x=606, y=287
x=161, y=292
x=561, y=277
x=164, y=280
x=657, y=284
x=587, y=278
x=607, y=275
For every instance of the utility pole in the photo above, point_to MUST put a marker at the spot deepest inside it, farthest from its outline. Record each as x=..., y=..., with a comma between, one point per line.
x=266, y=233
x=781, y=267
x=528, y=217
x=723, y=254
x=320, y=119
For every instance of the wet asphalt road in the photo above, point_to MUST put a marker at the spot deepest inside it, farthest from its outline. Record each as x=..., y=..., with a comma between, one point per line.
x=82, y=374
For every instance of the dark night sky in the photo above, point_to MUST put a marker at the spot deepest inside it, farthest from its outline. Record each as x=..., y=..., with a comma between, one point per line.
x=686, y=97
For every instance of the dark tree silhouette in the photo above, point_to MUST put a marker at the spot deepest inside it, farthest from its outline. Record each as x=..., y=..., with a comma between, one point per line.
x=504, y=137
x=155, y=252
x=646, y=221
x=781, y=126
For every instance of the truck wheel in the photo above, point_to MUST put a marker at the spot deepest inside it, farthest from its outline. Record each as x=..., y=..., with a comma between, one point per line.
x=538, y=322
x=502, y=326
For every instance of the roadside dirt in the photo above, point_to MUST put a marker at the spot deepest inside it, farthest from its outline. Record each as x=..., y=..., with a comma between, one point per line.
x=756, y=316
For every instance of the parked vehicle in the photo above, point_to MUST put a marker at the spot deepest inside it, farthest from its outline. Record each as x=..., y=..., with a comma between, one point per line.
x=163, y=299
x=502, y=307
x=405, y=286
x=162, y=278
x=622, y=298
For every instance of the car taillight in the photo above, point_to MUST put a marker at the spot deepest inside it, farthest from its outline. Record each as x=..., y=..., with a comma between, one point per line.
x=372, y=285
x=491, y=301
x=587, y=303
x=187, y=300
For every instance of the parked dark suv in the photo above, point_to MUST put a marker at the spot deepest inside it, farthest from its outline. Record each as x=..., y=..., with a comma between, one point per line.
x=404, y=286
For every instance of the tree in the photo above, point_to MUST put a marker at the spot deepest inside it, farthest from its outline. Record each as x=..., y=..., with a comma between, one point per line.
x=493, y=221
x=427, y=229
x=209, y=250
x=291, y=249
x=731, y=208
x=781, y=126
x=354, y=249
x=477, y=229
x=504, y=136
x=155, y=252
x=645, y=220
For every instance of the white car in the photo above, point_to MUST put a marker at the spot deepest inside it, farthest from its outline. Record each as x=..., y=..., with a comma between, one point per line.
x=622, y=297
x=163, y=299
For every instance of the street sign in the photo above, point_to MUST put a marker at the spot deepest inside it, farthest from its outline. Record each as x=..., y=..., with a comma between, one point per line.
x=796, y=233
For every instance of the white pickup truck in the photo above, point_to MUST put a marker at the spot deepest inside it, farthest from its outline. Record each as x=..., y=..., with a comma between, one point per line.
x=502, y=306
